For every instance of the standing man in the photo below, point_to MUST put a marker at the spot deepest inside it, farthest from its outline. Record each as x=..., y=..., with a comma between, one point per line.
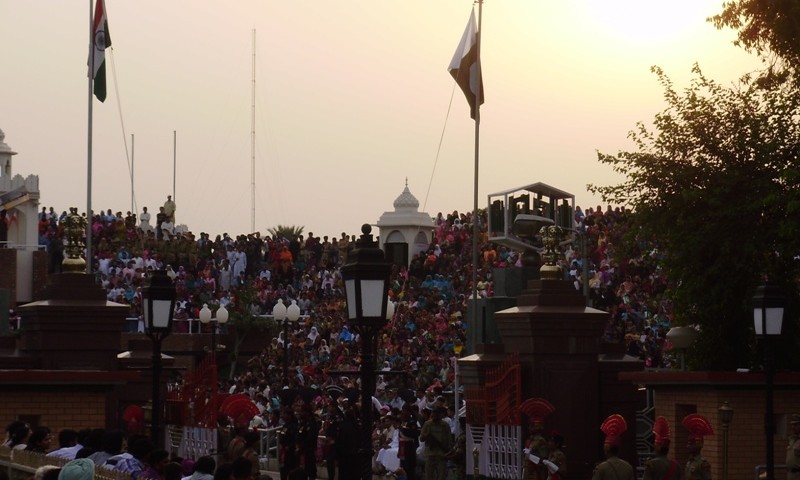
x=438, y=442
x=614, y=468
x=660, y=467
x=169, y=208
x=697, y=467
x=793, y=449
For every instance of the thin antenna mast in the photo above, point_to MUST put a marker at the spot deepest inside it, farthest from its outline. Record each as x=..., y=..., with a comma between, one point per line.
x=133, y=207
x=253, y=142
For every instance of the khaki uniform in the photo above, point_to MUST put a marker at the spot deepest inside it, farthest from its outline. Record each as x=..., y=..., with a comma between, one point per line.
x=662, y=468
x=613, y=469
x=557, y=457
x=793, y=458
x=697, y=468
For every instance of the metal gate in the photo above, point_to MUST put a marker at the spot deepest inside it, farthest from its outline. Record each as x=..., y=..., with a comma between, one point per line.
x=494, y=433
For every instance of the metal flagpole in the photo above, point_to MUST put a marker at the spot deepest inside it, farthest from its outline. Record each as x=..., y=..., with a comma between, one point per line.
x=133, y=207
x=481, y=336
x=174, y=162
x=253, y=142
x=89, y=146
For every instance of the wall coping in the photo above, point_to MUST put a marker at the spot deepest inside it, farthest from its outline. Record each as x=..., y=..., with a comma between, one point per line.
x=707, y=378
x=67, y=377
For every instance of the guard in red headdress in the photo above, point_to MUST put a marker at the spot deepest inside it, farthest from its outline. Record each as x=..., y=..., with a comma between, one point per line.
x=660, y=467
x=614, y=468
x=537, y=409
x=697, y=467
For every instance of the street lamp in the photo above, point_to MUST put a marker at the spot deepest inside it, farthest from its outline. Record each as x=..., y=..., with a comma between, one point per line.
x=726, y=415
x=282, y=314
x=768, y=305
x=158, y=299
x=220, y=319
x=366, y=279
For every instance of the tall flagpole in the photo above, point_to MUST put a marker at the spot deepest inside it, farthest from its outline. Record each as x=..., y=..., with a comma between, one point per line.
x=253, y=142
x=133, y=205
x=89, y=146
x=482, y=331
x=174, y=163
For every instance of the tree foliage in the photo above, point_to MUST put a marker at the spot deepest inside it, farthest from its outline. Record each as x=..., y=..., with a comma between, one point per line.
x=764, y=27
x=714, y=185
x=285, y=231
x=243, y=319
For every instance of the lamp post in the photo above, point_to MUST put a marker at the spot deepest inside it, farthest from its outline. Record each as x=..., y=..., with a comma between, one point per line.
x=220, y=319
x=768, y=305
x=366, y=279
x=282, y=314
x=726, y=415
x=158, y=298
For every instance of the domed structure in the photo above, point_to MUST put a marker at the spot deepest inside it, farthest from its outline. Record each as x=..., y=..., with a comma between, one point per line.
x=406, y=201
x=406, y=231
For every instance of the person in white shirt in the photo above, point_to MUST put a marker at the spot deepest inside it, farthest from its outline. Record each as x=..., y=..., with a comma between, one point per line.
x=68, y=443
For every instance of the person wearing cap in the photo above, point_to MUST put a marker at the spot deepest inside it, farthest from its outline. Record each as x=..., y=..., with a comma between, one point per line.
x=660, y=467
x=438, y=442
x=697, y=467
x=556, y=462
x=613, y=468
x=793, y=449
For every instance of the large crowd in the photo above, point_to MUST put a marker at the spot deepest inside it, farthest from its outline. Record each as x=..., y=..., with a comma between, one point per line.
x=249, y=273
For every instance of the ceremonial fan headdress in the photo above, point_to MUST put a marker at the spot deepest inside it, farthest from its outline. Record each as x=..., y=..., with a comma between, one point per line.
x=661, y=432
x=133, y=416
x=614, y=426
x=537, y=409
x=698, y=427
x=240, y=408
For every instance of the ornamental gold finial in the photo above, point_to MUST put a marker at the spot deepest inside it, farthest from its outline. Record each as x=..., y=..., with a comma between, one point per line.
x=75, y=231
x=551, y=236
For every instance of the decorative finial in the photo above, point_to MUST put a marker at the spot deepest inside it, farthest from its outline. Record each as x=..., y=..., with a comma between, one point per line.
x=406, y=182
x=551, y=235
x=75, y=230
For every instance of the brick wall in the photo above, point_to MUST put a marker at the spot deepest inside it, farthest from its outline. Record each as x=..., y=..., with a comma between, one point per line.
x=746, y=436
x=57, y=410
x=8, y=271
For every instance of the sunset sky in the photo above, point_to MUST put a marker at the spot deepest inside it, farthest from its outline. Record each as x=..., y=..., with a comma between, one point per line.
x=352, y=98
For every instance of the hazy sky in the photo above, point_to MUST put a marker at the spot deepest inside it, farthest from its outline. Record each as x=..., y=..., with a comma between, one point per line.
x=352, y=97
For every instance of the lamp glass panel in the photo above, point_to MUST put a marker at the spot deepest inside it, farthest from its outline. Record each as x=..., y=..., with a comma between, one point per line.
x=774, y=321
x=372, y=297
x=161, y=313
x=146, y=313
x=350, y=290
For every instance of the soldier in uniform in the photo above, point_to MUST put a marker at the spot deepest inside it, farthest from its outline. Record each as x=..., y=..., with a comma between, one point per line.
x=537, y=409
x=660, y=467
x=614, y=468
x=697, y=467
x=793, y=449
x=556, y=463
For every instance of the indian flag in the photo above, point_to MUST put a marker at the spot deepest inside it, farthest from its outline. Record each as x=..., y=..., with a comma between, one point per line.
x=464, y=66
x=100, y=41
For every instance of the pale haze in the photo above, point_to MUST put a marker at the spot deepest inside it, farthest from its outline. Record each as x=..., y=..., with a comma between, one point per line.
x=352, y=98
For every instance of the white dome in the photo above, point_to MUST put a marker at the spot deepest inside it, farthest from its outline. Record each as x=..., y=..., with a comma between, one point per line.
x=406, y=201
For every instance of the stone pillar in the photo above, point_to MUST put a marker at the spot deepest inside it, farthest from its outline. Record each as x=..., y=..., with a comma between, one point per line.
x=558, y=341
x=75, y=327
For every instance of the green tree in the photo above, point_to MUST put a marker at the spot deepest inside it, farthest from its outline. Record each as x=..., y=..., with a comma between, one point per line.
x=714, y=186
x=243, y=320
x=764, y=27
x=285, y=231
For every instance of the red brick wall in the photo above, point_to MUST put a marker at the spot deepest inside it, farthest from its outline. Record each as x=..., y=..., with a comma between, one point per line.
x=8, y=271
x=58, y=410
x=746, y=436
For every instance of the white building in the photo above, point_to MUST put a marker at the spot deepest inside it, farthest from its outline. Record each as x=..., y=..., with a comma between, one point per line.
x=19, y=197
x=406, y=231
